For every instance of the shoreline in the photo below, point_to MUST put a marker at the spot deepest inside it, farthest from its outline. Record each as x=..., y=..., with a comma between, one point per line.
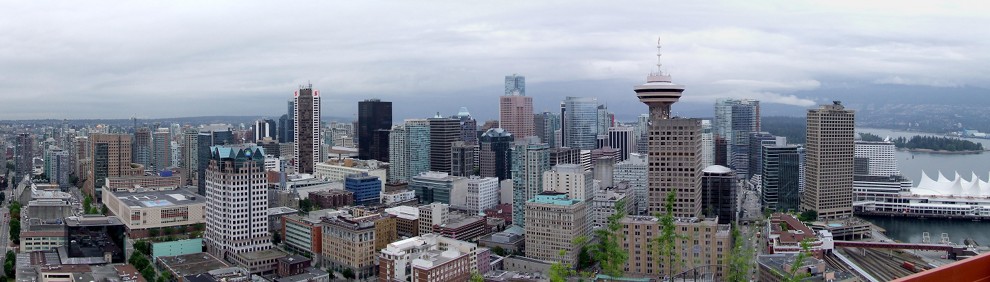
x=941, y=152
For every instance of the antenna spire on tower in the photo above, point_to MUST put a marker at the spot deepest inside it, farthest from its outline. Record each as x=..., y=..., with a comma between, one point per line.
x=659, y=53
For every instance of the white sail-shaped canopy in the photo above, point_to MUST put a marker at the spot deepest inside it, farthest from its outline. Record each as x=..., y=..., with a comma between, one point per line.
x=958, y=186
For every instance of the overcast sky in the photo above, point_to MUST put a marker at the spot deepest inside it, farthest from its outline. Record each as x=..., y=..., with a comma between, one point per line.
x=92, y=59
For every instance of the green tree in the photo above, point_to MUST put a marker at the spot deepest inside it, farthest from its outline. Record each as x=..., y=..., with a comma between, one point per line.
x=305, y=206
x=795, y=274
x=153, y=232
x=87, y=203
x=139, y=261
x=808, y=215
x=664, y=244
x=585, y=260
x=15, y=230
x=15, y=210
x=330, y=271
x=608, y=252
x=498, y=250
x=347, y=273
x=475, y=277
x=148, y=273
x=9, y=263
x=142, y=246
x=740, y=258
x=105, y=210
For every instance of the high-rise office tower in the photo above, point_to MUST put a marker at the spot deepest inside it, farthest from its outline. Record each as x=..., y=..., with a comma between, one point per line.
x=59, y=168
x=374, y=116
x=141, y=150
x=734, y=120
x=604, y=119
x=236, y=201
x=515, y=85
x=111, y=158
x=580, y=122
x=469, y=126
x=879, y=156
x=419, y=148
x=443, y=133
x=547, y=125
x=265, y=128
x=781, y=177
x=398, y=154
x=161, y=149
x=633, y=172
x=307, y=128
x=209, y=136
x=462, y=159
x=674, y=150
x=756, y=142
x=707, y=144
x=719, y=193
x=23, y=155
x=622, y=138
x=529, y=160
x=829, y=161
x=495, y=155
x=516, y=112
x=190, y=155
x=286, y=126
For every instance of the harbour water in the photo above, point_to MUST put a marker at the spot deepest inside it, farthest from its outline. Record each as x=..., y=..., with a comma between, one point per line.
x=911, y=164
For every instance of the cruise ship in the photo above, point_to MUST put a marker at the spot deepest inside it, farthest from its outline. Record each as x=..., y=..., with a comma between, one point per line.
x=932, y=198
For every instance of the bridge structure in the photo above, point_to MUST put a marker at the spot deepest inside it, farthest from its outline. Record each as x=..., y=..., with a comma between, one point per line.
x=952, y=251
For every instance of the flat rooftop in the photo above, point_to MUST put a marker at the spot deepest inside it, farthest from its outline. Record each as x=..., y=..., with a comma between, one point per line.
x=77, y=221
x=157, y=199
x=263, y=255
x=192, y=264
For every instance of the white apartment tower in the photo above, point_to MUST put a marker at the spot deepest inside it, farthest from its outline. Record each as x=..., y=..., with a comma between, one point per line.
x=236, y=201
x=482, y=193
x=633, y=171
x=571, y=179
x=880, y=155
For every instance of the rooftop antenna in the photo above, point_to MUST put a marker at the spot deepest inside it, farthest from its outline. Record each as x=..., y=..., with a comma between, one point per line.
x=659, y=54
x=658, y=76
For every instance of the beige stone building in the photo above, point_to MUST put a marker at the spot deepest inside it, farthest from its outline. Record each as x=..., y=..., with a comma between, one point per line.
x=553, y=222
x=699, y=243
x=350, y=242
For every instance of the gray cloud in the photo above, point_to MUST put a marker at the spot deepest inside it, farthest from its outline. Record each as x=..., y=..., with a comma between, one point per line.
x=114, y=60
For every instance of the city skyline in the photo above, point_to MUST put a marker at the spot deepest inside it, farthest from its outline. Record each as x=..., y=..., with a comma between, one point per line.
x=111, y=68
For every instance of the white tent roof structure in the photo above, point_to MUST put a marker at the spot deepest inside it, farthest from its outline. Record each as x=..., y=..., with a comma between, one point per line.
x=974, y=187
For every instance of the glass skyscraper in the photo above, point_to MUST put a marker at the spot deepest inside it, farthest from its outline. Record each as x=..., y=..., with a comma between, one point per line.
x=580, y=122
x=515, y=85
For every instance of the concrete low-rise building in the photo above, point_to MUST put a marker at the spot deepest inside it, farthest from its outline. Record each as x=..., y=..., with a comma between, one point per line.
x=337, y=170
x=143, y=211
x=511, y=240
x=42, y=235
x=406, y=220
x=420, y=258
x=303, y=234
